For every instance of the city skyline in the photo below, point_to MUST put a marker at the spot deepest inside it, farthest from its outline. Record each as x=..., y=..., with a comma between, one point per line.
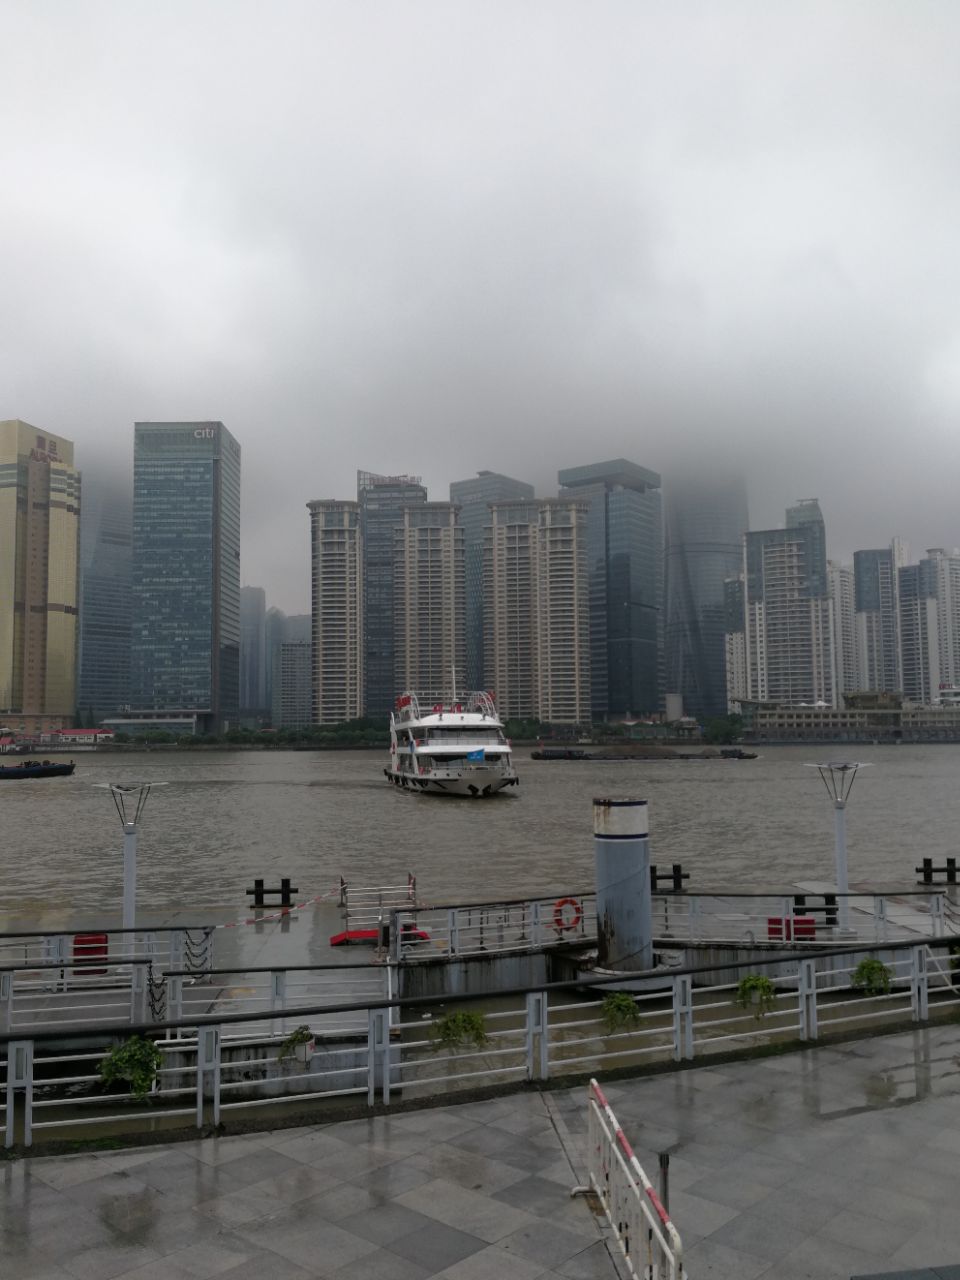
x=719, y=234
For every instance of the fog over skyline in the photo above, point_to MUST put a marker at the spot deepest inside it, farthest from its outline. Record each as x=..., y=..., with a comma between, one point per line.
x=437, y=237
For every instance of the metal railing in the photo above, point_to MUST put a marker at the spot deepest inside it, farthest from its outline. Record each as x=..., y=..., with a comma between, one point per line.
x=387, y=1050
x=648, y=1239
x=429, y=933
x=366, y=906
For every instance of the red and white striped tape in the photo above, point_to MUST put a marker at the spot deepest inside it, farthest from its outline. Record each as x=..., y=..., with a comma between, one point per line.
x=283, y=911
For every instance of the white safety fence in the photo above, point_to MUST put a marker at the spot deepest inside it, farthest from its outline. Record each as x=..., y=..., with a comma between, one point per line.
x=389, y=1051
x=648, y=1239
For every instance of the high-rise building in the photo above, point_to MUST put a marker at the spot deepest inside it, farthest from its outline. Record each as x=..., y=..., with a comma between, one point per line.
x=428, y=599
x=185, y=638
x=946, y=573
x=382, y=500
x=39, y=578
x=537, y=610
x=106, y=535
x=625, y=550
x=735, y=644
x=788, y=614
x=336, y=561
x=705, y=520
x=292, y=685
x=919, y=632
x=473, y=497
x=877, y=619
x=840, y=578
x=253, y=652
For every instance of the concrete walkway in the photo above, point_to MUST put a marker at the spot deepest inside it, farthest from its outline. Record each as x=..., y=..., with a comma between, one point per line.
x=836, y=1162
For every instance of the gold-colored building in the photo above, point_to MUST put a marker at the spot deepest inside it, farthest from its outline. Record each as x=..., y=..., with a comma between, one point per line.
x=39, y=562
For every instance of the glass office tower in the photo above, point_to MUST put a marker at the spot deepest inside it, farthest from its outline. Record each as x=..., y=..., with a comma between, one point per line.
x=185, y=635
x=473, y=497
x=382, y=500
x=705, y=519
x=625, y=549
x=106, y=537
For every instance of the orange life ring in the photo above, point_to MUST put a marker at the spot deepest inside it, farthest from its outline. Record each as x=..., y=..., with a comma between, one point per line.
x=563, y=922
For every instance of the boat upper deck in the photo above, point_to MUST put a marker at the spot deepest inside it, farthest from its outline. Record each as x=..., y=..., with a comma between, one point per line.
x=431, y=709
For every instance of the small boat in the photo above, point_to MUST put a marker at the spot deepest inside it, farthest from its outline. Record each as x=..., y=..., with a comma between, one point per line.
x=449, y=746
x=36, y=769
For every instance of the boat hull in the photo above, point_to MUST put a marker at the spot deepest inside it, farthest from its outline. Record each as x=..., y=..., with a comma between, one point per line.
x=14, y=772
x=477, y=784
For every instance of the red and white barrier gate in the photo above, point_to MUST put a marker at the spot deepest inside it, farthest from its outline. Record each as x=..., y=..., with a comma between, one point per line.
x=649, y=1241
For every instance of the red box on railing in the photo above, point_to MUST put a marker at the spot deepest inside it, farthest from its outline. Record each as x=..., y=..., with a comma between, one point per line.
x=791, y=928
x=88, y=948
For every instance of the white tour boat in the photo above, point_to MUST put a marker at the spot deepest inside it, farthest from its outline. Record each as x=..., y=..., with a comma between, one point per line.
x=449, y=746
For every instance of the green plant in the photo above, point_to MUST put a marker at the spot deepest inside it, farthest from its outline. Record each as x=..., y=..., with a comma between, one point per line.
x=756, y=991
x=459, y=1028
x=136, y=1063
x=298, y=1036
x=619, y=1012
x=872, y=977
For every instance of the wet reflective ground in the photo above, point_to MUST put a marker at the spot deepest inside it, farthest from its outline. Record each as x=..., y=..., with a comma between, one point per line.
x=834, y=1162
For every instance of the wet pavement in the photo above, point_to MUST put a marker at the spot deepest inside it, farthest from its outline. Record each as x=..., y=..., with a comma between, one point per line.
x=837, y=1162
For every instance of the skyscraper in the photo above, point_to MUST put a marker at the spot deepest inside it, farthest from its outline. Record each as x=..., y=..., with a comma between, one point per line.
x=185, y=646
x=473, y=498
x=381, y=500
x=292, y=687
x=788, y=631
x=841, y=585
x=428, y=599
x=919, y=632
x=253, y=651
x=537, y=610
x=625, y=551
x=336, y=561
x=106, y=536
x=877, y=617
x=705, y=520
x=39, y=575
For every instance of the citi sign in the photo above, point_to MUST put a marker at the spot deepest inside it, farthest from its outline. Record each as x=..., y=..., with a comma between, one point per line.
x=205, y=433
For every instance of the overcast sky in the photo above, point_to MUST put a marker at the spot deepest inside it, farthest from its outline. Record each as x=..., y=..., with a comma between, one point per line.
x=439, y=237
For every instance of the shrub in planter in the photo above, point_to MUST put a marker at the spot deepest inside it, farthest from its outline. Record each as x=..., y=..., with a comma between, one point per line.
x=298, y=1044
x=871, y=977
x=756, y=992
x=619, y=1012
x=134, y=1063
x=459, y=1028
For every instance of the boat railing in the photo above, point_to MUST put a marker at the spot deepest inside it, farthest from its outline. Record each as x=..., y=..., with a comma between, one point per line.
x=412, y=706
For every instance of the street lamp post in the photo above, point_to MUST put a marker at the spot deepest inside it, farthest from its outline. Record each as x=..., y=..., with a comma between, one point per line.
x=130, y=802
x=838, y=778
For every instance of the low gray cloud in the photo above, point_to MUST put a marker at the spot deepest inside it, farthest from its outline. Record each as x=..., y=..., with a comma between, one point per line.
x=436, y=237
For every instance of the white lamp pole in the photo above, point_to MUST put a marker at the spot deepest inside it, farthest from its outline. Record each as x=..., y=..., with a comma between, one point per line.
x=130, y=801
x=839, y=778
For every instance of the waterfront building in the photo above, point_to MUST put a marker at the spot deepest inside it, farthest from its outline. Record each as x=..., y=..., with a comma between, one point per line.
x=705, y=518
x=877, y=617
x=734, y=645
x=382, y=500
x=840, y=578
x=473, y=497
x=625, y=555
x=185, y=634
x=788, y=614
x=39, y=579
x=106, y=539
x=253, y=653
x=429, y=649
x=336, y=561
x=292, y=685
x=945, y=570
x=919, y=632
x=537, y=610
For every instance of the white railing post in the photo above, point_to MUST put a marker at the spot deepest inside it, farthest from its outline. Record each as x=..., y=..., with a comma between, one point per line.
x=278, y=998
x=936, y=913
x=6, y=1003
x=175, y=983
x=919, y=989
x=378, y=1027
x=371, y=1056
x=453, y=933
x=138, y=993
x=808, y=999
x=682, y=1017
x=536, y=935
x=538, y=1056
x=208, y=1063
x=20, y=1076
x=694, y=919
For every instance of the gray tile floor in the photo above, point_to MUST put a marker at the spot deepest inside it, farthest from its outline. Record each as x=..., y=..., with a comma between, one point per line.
x=837, y=1162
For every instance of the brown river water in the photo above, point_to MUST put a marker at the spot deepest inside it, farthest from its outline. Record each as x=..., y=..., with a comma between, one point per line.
x=225, y=817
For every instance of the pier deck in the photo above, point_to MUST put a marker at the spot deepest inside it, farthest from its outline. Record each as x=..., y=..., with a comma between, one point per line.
x=838, y=1161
